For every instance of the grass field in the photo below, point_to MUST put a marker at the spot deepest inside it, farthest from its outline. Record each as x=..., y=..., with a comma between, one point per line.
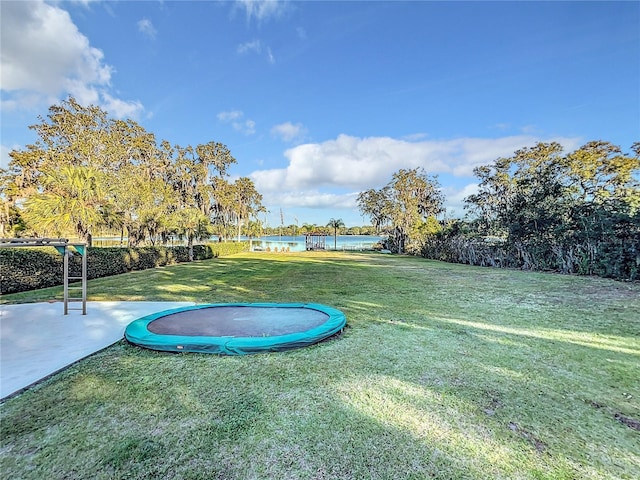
x=444, y=371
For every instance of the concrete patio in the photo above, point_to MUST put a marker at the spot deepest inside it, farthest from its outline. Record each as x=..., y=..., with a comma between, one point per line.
x=37, y=340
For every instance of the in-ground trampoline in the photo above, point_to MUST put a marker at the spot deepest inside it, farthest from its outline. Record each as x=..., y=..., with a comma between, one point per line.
x=236, y=328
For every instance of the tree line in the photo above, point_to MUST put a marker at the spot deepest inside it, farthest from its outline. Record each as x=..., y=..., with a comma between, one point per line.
x=294, y=230
x=544, y=209
x=88, y=172
x=540, y=209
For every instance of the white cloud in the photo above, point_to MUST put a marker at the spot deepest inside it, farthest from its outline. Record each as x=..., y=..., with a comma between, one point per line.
x=289, y=132
x=253, y=46
x=263, y=10
x=25, y=101
x=257, y=47
x=454, y=198
x=146, y=27
x=121, y=108
x=362, y=163
x=44, y=56
x=230, y=116
x=312, y=199
x=248, y=127
x=85, y=93
x=235, y=118
x=4, y=155
x=42, y=50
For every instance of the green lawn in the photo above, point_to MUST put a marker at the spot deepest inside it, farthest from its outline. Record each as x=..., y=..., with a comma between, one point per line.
x=444, y=371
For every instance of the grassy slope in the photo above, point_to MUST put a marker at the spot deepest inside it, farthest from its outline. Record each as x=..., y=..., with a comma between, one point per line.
x=445, y=371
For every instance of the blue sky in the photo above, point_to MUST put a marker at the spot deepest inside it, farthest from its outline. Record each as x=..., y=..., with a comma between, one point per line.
x=321, y=100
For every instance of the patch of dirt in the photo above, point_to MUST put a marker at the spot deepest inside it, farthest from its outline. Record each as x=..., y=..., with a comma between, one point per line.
x=599, y=292
x=494, y=404
x=628, y=421
x=539, y=445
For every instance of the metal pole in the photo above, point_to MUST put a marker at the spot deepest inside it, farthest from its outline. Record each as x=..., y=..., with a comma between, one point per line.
x=84, y=279
x=66, y=279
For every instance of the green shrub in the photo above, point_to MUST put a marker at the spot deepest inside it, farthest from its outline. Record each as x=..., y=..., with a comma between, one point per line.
x=222, y=249
x=31, y=268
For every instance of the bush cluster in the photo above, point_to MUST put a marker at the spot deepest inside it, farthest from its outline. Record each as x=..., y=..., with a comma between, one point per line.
x=613, y=256
x=23, y=269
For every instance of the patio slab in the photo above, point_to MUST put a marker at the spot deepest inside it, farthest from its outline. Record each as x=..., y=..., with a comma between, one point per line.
x=37, y=340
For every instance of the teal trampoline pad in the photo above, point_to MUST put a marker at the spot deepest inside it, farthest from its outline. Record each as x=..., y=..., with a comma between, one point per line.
x=236, y=328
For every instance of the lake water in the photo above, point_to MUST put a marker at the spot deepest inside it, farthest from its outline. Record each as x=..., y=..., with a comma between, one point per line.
x=297, y=244
x=294, y=244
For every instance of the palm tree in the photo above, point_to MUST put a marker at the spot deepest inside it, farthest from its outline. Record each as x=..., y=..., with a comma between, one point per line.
x=193, y=225
x=247, y=201
x=335, y=224
x=73, y=200
x=307, y=228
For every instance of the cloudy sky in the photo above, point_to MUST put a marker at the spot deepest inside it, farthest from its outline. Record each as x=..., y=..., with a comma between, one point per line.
x=319, y=101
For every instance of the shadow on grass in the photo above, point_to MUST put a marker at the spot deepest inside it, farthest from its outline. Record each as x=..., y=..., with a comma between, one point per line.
x=229, y=279
x=257, y=417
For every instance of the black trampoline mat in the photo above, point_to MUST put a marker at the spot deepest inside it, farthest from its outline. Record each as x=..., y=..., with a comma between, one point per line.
x=238, y=321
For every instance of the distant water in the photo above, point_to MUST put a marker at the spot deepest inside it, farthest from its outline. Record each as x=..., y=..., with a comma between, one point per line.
x=296, y=244
x=293, y=243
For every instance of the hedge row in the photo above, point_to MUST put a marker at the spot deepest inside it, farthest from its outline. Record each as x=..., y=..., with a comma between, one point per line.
x=614, y=257
x=30, y=268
